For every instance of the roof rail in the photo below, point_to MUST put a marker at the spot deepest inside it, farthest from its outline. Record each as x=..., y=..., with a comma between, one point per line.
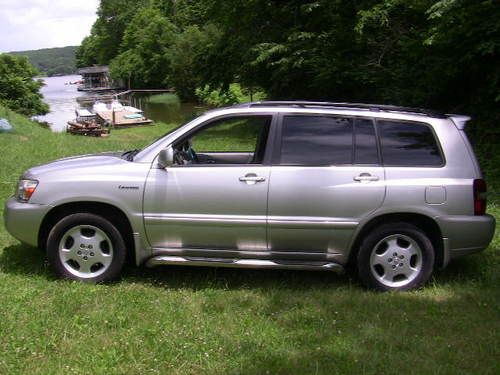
x=363, y=106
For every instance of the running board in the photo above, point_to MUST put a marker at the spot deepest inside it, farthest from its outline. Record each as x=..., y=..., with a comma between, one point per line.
x=244, y=263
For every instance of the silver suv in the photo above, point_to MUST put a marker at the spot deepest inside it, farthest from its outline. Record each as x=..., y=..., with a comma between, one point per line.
x=395, y=192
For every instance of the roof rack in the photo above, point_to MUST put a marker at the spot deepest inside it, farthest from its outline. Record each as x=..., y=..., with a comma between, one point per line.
x=363, y=106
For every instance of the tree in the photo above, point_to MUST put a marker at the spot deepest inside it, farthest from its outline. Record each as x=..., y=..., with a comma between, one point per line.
x=187, y=59
x=441, y=54
x=145, y=50
x=85, y=54
x=19, y=90
x=103, y=43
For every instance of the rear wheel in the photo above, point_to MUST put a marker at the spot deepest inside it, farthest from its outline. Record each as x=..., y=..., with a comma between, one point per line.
x=396, y=256
x=86, y=247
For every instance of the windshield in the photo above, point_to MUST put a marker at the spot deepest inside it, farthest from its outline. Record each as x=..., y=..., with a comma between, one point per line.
x=167, y=133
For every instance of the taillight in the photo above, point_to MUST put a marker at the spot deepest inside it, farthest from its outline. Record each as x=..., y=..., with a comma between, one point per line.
x=479, y=197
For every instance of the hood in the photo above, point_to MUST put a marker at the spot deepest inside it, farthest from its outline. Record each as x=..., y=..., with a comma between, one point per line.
x=76, y=162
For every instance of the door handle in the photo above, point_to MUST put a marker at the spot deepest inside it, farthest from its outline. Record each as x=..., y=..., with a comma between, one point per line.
x=365, y=177
x=252, y=178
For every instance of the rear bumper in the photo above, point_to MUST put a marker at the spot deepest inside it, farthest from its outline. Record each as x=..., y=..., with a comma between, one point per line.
x=23, y=220
x=465, y=234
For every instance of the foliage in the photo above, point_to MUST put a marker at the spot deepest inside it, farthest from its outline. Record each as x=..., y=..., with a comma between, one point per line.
x=104, y=41
x=85, y=54
x=187, y=55
x=445, y=55
x=145, y=44
x=51, y=61
x=19, y=90
x=184, y=320
x=233, y=95
x=438, y=54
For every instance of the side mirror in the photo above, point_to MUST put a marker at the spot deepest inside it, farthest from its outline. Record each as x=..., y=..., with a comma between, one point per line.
x=166, y=157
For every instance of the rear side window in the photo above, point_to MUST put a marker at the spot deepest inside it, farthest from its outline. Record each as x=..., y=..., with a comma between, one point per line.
x=409, y=144
x=316, y=140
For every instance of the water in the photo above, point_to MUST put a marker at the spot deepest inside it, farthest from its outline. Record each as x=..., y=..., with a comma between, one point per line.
x=169, y=113
x=61, y=98
x=62, y=101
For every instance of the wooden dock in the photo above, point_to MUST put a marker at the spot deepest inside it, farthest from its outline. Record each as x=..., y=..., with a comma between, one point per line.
x=98, y=89
x=158, y=91
x=123, y=118
x=94, y=98
x=110, y=96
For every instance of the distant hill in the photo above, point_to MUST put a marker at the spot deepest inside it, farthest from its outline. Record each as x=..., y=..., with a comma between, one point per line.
x=52, y=61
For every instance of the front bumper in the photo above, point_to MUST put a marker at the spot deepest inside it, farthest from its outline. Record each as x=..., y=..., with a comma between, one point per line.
x=23, y=220
x=466, y=234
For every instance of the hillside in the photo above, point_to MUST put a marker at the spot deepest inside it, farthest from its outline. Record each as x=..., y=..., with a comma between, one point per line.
x=52, y=61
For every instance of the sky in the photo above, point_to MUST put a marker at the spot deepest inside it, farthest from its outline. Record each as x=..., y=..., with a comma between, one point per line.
x=35, y=24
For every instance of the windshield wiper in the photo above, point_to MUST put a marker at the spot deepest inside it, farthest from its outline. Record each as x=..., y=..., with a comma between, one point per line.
x=129, y=155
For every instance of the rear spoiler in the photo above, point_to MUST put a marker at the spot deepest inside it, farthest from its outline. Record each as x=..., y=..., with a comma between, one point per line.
x=459, y=120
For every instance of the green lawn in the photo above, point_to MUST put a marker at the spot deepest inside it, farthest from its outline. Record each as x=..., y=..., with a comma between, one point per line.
x=226, y=321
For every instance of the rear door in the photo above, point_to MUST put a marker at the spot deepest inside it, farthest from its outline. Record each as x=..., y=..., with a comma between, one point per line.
x=325, y=177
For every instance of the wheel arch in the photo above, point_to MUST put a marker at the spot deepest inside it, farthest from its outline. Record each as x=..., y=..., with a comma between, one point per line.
x=108, y=211
x=428, y=225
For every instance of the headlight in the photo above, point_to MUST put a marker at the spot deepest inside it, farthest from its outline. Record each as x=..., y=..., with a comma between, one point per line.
x=25, y=189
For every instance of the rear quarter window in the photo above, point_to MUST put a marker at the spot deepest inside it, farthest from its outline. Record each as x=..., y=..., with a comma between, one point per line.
x=409, y=144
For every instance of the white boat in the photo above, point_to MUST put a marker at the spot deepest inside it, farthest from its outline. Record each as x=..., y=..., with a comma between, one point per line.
x=99, y=107
x=116, y=106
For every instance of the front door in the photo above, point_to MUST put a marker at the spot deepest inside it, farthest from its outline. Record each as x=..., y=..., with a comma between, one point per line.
x=215, y=197
x=326, y=178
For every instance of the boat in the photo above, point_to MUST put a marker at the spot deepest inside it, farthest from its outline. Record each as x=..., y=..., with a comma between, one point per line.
x=117, y=115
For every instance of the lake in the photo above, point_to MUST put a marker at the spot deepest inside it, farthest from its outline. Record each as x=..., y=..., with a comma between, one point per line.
x=61, y=97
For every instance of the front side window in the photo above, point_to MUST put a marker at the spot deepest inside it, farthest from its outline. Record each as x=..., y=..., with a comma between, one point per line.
x=408, y=144
x=316, y=140
x=231, y=140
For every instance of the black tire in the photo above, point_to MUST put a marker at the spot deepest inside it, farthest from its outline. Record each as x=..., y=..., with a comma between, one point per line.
x=69, y=222
x=369, y=245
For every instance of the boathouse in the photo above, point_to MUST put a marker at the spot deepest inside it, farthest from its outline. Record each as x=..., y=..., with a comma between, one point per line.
x=95, y=78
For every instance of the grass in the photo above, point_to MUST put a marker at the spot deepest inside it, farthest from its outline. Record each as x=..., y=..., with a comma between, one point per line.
x=223, y=321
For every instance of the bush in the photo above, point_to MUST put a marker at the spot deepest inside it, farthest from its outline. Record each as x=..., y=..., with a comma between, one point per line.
x=233, y=95
x=19, y=90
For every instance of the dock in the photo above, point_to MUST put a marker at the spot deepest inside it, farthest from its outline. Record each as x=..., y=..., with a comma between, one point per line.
x=123, y=118
x=97, y=89
x=115, y=95
x=93, y=98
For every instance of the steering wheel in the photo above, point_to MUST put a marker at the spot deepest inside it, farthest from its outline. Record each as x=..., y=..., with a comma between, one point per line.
x=190, y=151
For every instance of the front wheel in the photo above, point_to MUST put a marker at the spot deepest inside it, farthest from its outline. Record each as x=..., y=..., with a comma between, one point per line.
x=86, y=247
x=395, y=256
